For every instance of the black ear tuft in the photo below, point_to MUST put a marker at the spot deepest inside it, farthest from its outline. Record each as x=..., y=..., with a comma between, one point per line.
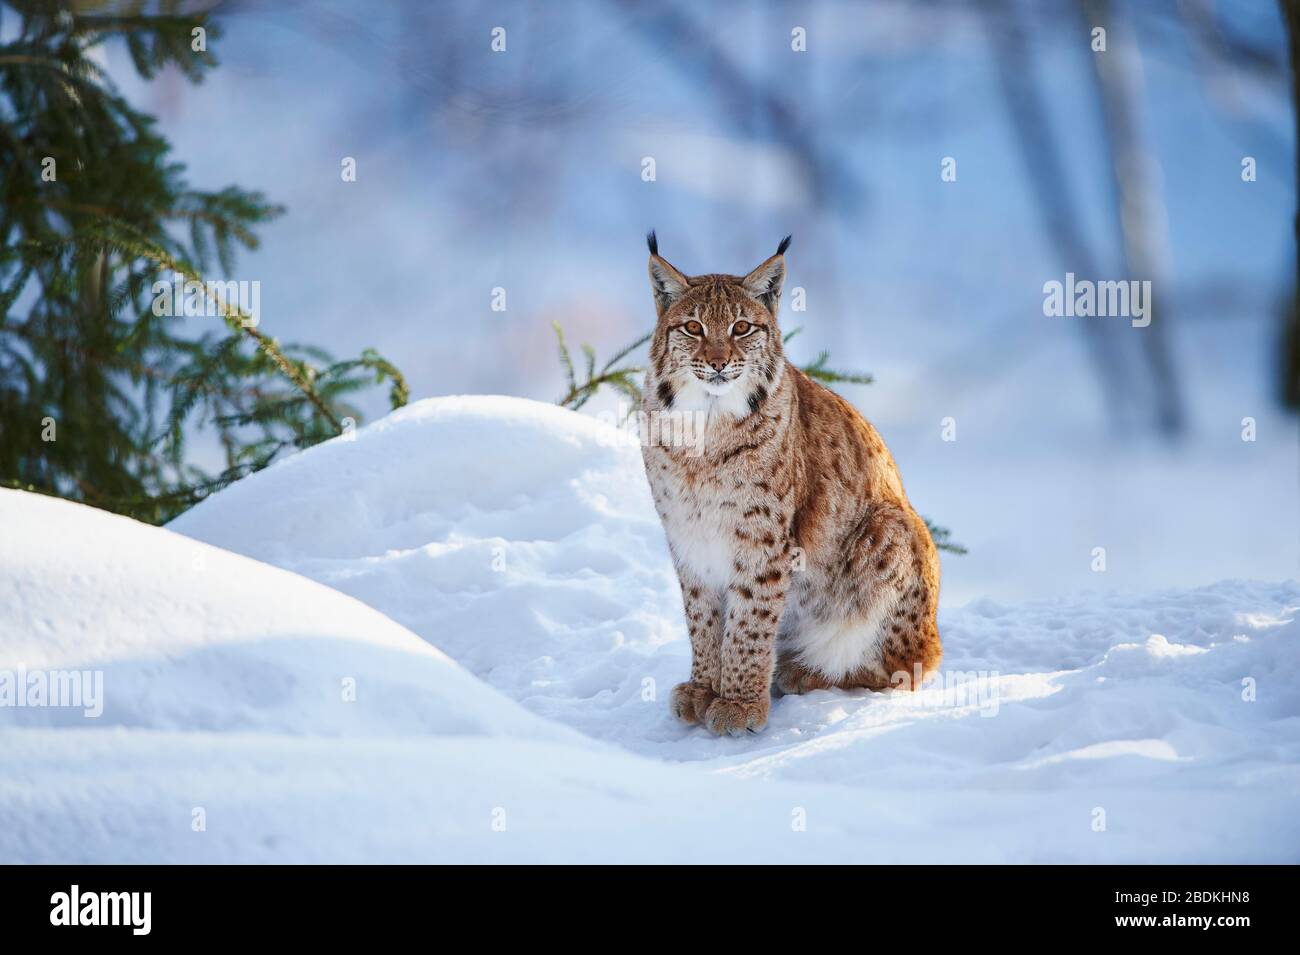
x=653, y=242
x=780, y=249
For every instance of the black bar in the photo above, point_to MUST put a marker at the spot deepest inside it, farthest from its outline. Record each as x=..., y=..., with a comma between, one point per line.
x=214, y=904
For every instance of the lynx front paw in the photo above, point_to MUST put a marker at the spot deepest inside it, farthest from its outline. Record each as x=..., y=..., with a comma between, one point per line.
x=691, y=701
x=737, y=717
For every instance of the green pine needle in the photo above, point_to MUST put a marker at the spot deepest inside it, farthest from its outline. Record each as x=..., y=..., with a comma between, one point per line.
x=80, y=344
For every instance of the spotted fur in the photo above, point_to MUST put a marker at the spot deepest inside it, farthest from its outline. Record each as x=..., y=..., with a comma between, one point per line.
x=801, y=561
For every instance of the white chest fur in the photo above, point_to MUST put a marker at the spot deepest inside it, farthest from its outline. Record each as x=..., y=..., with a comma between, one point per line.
x=699, y=518
x=701, y=531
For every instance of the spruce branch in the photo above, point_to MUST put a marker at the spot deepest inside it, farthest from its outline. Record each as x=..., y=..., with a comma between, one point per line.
x=621, y=379
x=109, y=234
x=818, y=371
x=79, y=254
x=942, y=538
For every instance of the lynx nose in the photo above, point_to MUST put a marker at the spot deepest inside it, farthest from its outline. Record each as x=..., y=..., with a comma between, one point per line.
x=717, y=364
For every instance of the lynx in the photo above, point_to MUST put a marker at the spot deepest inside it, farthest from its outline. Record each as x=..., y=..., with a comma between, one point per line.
x=802, y=564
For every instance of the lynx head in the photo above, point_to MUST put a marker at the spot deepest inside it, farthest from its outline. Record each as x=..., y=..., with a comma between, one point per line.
x=716, y=341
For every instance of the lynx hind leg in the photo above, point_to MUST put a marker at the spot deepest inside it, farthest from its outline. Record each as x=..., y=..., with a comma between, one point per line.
x=792, y=678
x=907, y=657
x=897, y=669
x=910, y=649
x=896, y=559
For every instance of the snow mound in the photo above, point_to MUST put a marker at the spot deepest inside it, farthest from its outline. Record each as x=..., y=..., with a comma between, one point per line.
x=516, y=536
x=186, y=636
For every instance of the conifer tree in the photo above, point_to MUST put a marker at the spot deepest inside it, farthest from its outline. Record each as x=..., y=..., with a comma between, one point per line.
x=100, y=395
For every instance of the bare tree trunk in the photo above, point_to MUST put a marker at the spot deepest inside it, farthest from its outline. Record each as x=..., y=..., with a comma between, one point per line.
x=1045, y=170
x=1139, y=208
x=1291, y=316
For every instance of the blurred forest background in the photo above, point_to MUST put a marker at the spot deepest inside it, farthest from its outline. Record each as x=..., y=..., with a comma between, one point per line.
x=523, y=169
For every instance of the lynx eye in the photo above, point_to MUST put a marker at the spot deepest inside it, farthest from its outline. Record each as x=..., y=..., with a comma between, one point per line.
x=741, y=328
x=693, y=328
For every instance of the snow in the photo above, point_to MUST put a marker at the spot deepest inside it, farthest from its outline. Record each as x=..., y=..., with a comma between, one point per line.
x=189, y=636
x=518, y=540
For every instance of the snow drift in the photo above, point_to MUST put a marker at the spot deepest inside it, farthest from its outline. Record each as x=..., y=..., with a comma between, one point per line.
x=188, y=636
x=519, y=540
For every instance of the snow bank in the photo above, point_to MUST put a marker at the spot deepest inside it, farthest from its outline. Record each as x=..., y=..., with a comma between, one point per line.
x=516, y=536
x=187, y=636
x=519, y=540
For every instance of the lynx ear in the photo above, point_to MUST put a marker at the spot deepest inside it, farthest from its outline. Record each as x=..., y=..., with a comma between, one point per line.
x=764, y=283
x=666, y=282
